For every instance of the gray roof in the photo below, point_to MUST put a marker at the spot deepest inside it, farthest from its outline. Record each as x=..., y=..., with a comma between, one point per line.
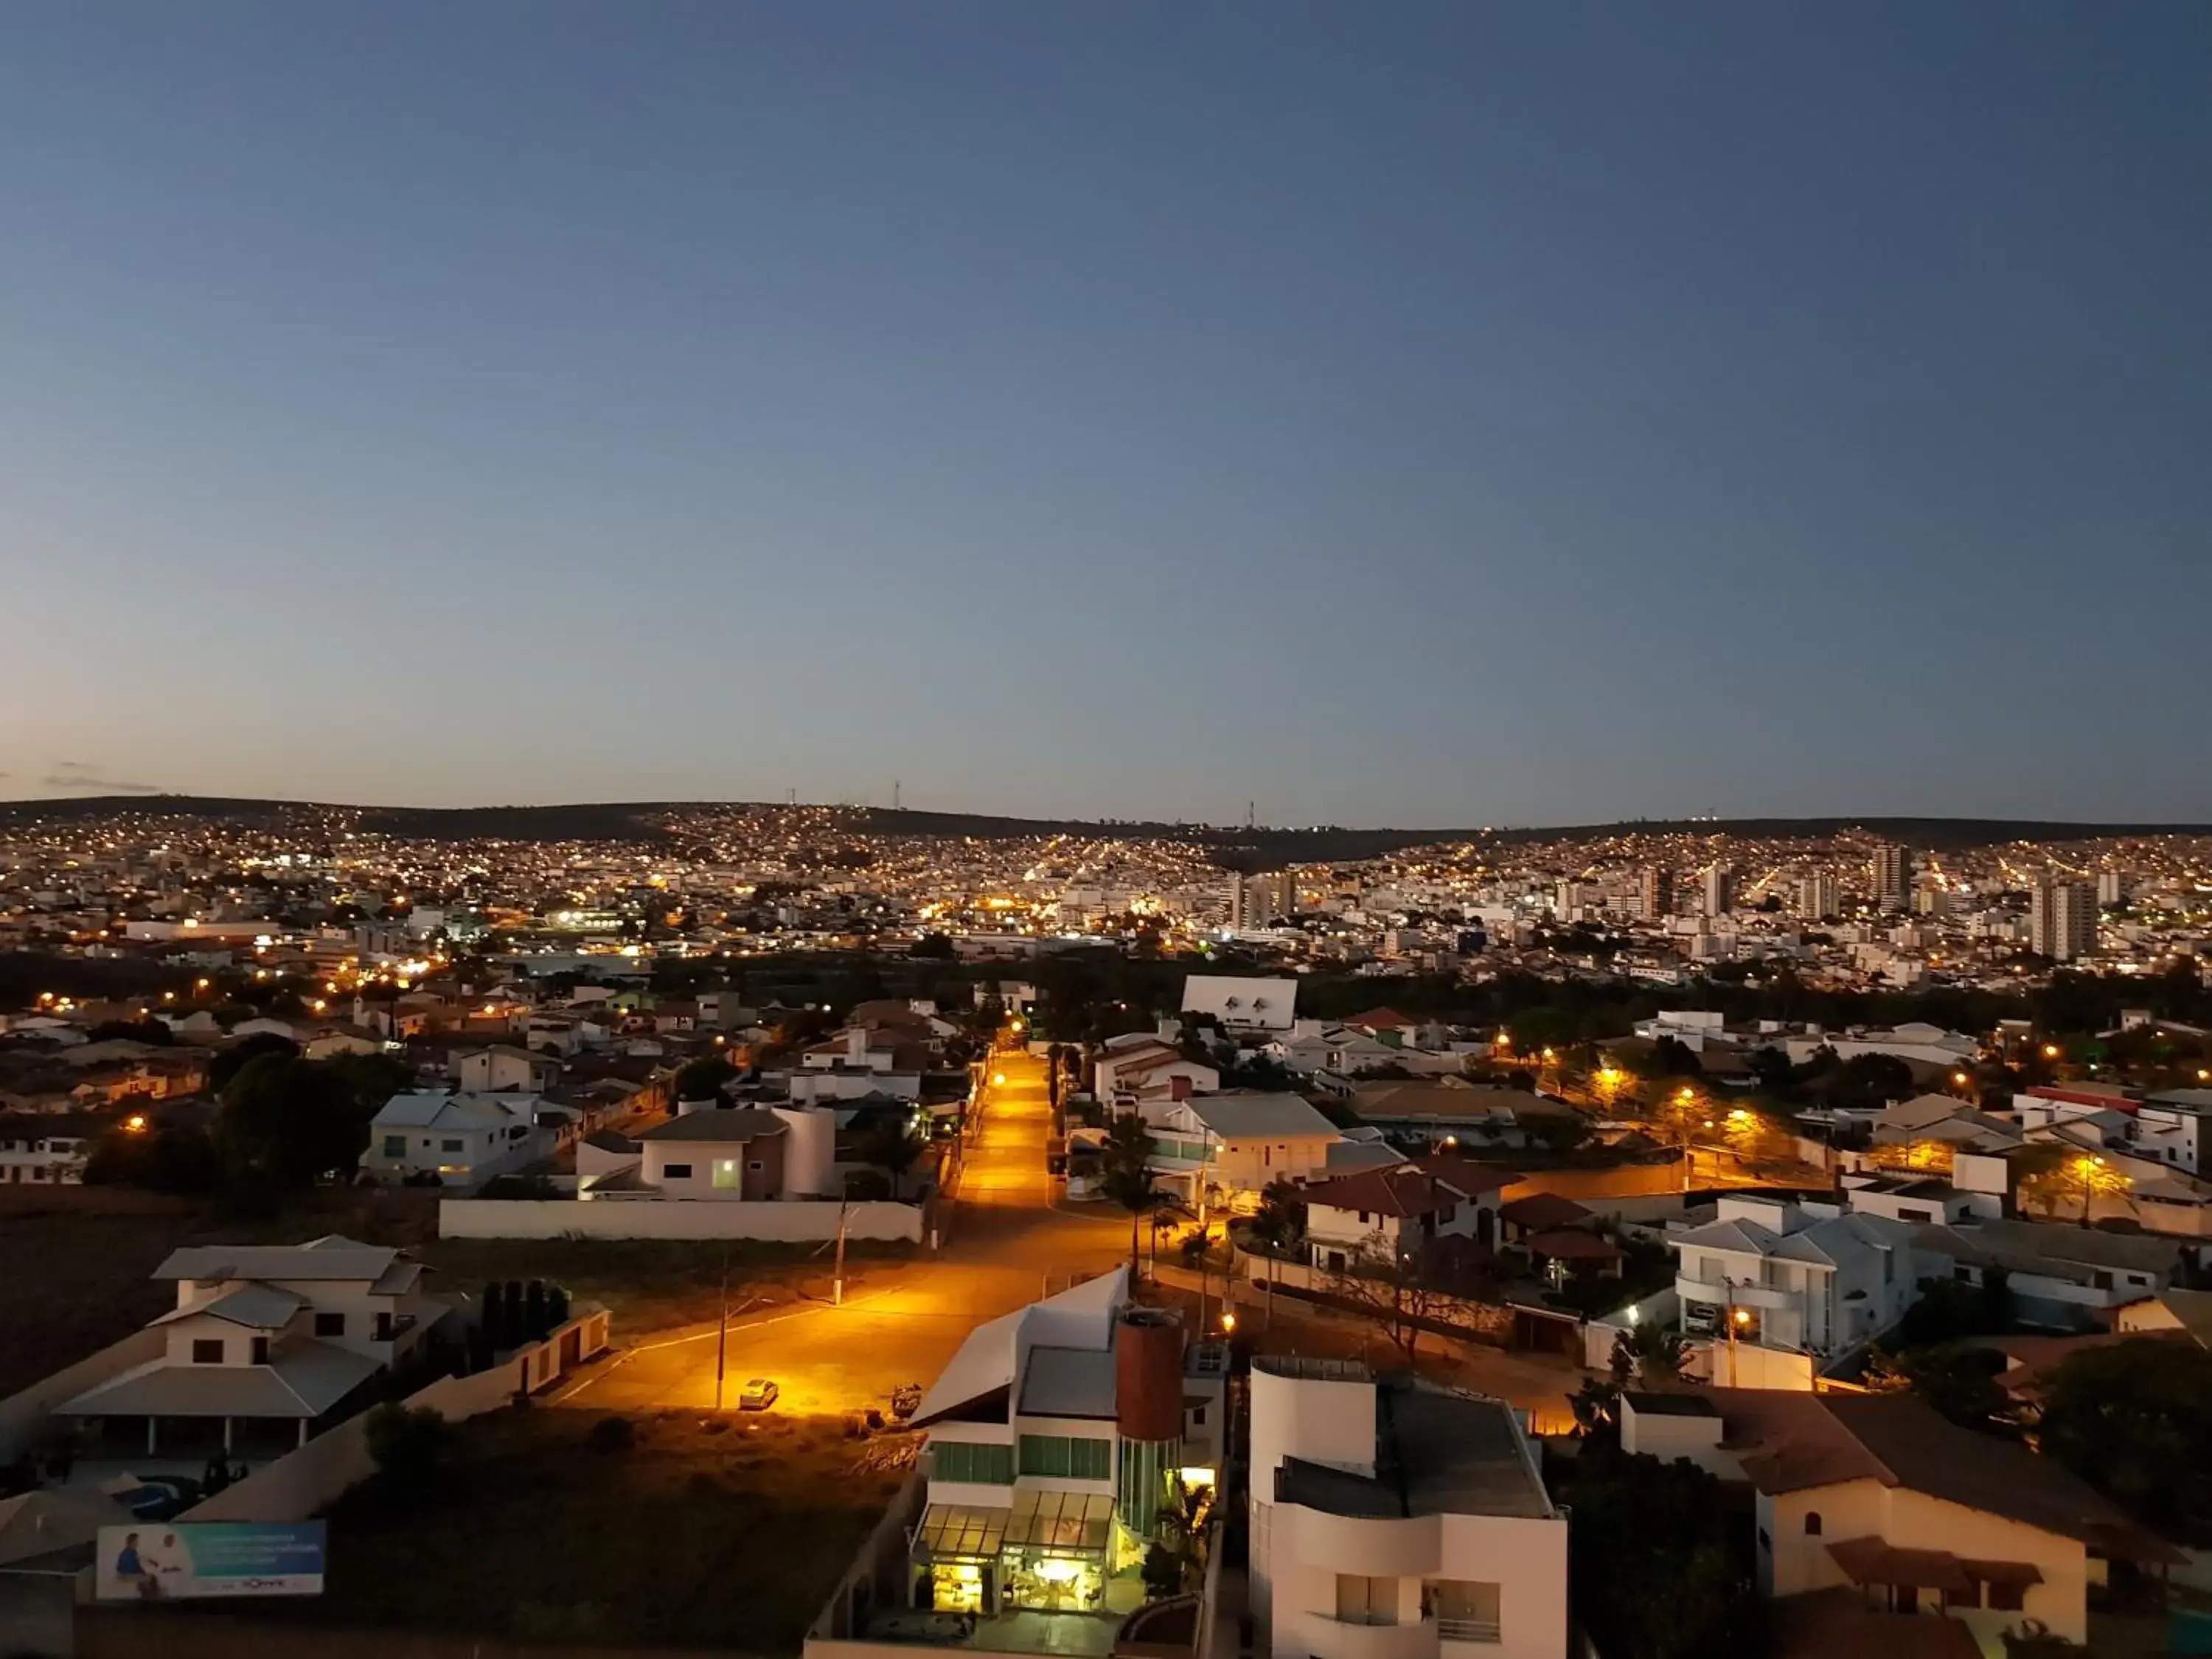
x=1254, y=1117
x=303, y=1378
x=423, y=1110
x=2050, y=1246
x=330, y=1258
x=1068, y=1382
x=1435, y=1453
x=256, y=1307
x=716, y=1124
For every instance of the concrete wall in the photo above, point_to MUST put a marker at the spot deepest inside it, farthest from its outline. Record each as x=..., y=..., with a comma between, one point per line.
x=24, y=1416
x=607, y=1218
x=302, y=1483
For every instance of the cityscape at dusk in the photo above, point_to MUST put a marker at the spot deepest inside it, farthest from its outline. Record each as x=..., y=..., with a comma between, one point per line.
x=907, y=828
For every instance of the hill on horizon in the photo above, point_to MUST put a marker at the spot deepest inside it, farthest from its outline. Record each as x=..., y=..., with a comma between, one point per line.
x=1233, y=847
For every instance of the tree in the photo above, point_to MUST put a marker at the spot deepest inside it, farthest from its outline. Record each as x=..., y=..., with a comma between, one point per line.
x=1280, y=1220
x=932, y=947
x=229, y=1063
x=289, y=1123
x=1649, y=1354
x=1393, y=1288
x=2134, y=1421
x=702, y=1079
x=1656, y=1572
x=1958, y=1379
x=2055, y=1174
x=893, y=1145
x=411, y=1446
x=1126, y=1175
x=167, y=1160
x=148, y=1031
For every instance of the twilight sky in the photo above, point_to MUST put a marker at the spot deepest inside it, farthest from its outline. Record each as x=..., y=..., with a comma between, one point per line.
x=1428, y=414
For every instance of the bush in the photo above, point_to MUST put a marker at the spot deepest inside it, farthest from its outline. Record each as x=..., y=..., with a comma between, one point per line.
x=611, y=1434
x=412, y=1447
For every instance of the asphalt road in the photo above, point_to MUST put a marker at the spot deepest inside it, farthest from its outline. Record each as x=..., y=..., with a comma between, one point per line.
x=1007, y=1245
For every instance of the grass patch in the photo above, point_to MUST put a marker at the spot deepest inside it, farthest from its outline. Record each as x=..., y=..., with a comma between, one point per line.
x=726, y=1532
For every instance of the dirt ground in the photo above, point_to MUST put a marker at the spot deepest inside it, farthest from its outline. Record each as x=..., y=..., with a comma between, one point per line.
x=727, y=1533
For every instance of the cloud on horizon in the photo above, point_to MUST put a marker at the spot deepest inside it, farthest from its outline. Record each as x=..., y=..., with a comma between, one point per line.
x=76, y=775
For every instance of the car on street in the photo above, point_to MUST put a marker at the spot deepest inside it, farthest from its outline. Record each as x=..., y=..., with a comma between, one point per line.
x=760, y=1394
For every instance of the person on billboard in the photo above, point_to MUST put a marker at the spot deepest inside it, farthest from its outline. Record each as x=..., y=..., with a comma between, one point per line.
x=130, y=1569
x=176, y=1567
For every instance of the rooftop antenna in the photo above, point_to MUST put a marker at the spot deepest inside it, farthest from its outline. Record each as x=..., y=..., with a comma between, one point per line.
x=1250, y=807
x=895, y=794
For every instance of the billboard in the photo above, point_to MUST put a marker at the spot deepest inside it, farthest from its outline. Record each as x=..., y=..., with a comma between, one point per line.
x=176, y=1560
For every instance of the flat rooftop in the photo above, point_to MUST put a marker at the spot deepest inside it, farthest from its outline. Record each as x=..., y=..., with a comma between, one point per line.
x=1435, y=1453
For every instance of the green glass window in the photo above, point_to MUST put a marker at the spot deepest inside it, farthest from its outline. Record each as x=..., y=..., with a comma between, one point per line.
x=1066, y=1458
x=961, y=1460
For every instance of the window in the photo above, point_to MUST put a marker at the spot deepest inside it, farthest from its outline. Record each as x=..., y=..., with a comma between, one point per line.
x=755, y=1163
x=1366, y=1600
x=260, y=1349
x=1812, y=1524
x=675, y=1172
x=207, y=1350
x=726, y=1175
x=1197, y=1417
x=960, y=1460
x=2006, y=1598
x=449, y=1146
x=1362, y=1217
x=395, y=1146
x=1465, y=1610
x=1063, y=1457
x=329, y=1324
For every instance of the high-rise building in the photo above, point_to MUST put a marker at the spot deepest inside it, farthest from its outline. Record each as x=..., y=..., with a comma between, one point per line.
x=1892, y=876
x=2062, y=921
x=1720, y=889
x=1817, y=897
x=1257, y=901
x=1658, y=891
x=2111, y=888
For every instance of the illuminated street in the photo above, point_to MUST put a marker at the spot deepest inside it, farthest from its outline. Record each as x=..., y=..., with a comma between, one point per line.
x=907, y=1320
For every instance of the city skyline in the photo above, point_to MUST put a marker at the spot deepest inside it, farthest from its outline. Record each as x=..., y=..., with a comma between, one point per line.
x=1481, y=416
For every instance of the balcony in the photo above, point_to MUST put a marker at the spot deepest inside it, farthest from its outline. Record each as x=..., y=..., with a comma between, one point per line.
x=1740, y=1296
x=1470, y=1630
x=1340, y=1639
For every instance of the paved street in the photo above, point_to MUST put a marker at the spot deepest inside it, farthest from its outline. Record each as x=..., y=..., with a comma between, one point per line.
x=908, y=1319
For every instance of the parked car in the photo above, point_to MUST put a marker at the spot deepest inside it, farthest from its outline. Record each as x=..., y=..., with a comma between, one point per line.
x=760, y=1394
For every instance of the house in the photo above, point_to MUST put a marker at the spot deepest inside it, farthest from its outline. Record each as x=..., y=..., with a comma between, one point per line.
x=47, y=1148
x=501, y=1067
x=1877, y=1500
x=1454, y=1114
x=1141, y=1066
x=1397, y=1518
x=2175, y=1128
x=1400, y=1212
x=728, y=1155
x=1797, y=1275
x=463, y=1139
x=1061, y=1437
x=1928, y=1047
x=268, y=1344
x=1313, y=1047
x=1242, y=1003
x=1237, y=1143
x=2059, y=1276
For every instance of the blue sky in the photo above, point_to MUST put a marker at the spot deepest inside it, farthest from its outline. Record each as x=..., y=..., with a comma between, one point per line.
x=1427, y=414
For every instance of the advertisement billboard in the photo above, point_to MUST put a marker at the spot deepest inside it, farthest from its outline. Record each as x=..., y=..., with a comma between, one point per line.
x=172, y=1560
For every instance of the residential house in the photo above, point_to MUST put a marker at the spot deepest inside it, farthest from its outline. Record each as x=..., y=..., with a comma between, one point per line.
x=1926, y=1047
x=1313, y=1048
x=1399, y=1213
x=2060, y=1276
x=47, y=1149
x=1454, y=1114
x=499, y=1067
x=463, y=1139
x=1796, y=1275
x=1061, y=1437
x=1397, y=1520
x=268, y=1344
x=1878, y=1504
x=733, y=1154
x=1242, y=1003
x=1140, y=1067
x=1236, y=1144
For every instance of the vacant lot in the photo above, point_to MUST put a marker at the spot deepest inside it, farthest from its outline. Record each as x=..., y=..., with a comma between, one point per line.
x=727, y=1533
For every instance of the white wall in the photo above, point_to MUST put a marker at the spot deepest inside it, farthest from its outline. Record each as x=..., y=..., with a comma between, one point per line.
x=797, y=1219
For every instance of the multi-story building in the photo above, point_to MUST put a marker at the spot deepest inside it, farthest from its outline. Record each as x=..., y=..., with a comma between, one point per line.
x=1396, y=1519
x=1062, y=1437
x=1654, y=889
x=1892, y=870
x=2062, y=921
x=1720, y=889
x=1817, y=897
x=49, y=1149
x=463, y=1139
x=2111, y=888
x=1800, y=1277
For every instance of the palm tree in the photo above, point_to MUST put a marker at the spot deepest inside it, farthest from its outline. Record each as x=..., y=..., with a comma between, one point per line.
x=1126, y=1175
x=894, y=1148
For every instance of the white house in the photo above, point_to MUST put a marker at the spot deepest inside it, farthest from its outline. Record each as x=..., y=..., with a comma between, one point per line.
x=1142, y=1067
x=1877, y=1505
x=1397, y=1521
x=1060, y=1437
x=1242, y=1003
x=725, y=1154
x=46, y=1149
x=267, y=1344
x=1930, y=1045
x=1797, y=1276
x=1238, y=1143
x=501, y=1067
x=465, y=1139
x=1400, y=1212
x=2058, y=1275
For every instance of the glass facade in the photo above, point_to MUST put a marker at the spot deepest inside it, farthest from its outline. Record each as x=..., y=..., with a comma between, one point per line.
x=1064, y=1457
x=958, y=1459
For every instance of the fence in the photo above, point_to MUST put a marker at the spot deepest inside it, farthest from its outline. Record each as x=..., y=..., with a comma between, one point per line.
x=797, y=1220
x=300, y=1483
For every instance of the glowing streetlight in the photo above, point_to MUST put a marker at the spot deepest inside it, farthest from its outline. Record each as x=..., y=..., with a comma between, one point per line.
x=1227, y=1320
x=997, y=1077
x=1961, y=1079
x=136, y=1123
x=2051, y=1051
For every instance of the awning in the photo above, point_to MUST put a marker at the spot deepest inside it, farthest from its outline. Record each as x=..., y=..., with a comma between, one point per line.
x=955, y=1531
x=1061, y=1523
x=1870, y=1561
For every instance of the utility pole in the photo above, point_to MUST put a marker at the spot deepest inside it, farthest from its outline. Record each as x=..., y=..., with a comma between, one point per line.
x=722, y=1332
x=837, y=1283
